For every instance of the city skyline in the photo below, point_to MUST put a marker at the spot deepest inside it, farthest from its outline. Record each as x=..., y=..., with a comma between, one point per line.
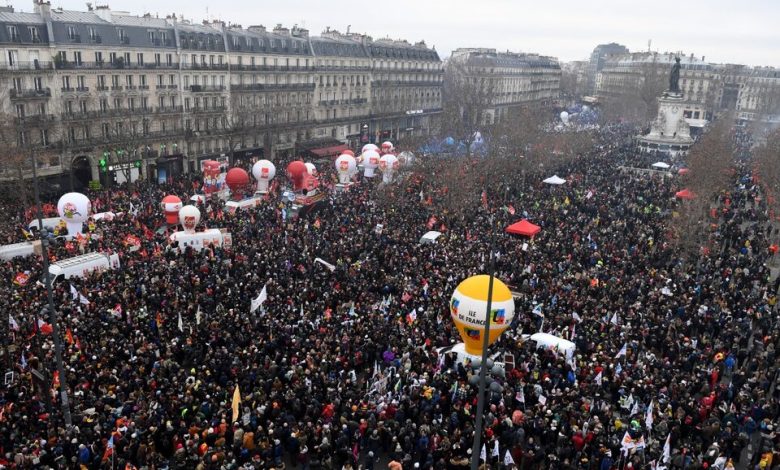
x=566, y=30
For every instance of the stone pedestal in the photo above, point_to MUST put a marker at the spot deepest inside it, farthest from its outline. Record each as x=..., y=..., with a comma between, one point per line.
x=669, y=133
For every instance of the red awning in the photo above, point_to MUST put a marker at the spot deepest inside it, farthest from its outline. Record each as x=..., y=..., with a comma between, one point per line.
x=328, y=151
x=524, y=227
x=685, y=194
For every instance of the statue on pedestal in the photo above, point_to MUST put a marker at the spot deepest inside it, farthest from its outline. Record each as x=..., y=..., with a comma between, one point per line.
x=674, y=77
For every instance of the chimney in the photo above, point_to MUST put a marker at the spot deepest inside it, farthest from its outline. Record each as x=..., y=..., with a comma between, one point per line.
x=257, y=28
x=281, y=30
x=103, y=12
x=43, y=8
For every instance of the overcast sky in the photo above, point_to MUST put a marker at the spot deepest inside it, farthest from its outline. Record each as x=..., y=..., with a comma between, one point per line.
x=722, y=30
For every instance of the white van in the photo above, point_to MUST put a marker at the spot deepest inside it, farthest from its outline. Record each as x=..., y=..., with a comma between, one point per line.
x=83, y=265
x=9, y=252
x=50, y=223
x=233, y=206
x=200, y=240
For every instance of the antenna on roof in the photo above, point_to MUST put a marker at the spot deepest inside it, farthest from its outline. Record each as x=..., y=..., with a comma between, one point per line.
x=348, y=26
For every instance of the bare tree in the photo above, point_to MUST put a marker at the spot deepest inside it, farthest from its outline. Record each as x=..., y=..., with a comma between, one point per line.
x=711, y=163
x=15, y=154
x=467, y=99
x=128, y=141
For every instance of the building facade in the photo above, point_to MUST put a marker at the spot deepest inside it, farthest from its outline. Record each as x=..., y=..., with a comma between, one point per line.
x=597, y=60
x=107, y=95
x=510, y=79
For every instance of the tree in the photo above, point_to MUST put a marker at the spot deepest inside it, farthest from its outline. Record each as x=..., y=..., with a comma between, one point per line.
x=711, y=164
x=15, y=155
x=127, y=145
x=467, y=101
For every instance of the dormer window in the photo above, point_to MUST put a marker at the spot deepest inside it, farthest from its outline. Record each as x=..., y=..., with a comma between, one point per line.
x=13, y=33
x=72, y=33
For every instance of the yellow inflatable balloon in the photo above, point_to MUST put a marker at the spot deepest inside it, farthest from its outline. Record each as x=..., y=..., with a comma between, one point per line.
x=468, y=307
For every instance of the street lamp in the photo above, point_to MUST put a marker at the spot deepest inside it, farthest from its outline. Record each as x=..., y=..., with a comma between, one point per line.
x=475, y=450
x=50, y=307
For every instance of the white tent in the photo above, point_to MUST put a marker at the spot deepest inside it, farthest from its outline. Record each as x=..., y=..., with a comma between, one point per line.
x=430, y=237
x=554, y=179
x=661, y=165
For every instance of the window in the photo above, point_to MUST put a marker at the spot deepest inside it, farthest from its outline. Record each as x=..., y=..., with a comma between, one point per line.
x=164, y=38
x=34, y=35
x=101, y=81
x=152, y=37
x=161, y=102
x=99, y=57
x=112, y=57
x=77, y=57
x=121, y=33
x=117, y=103
x=171, y=79
x=106, y=130
x=69, y=107
x=92, y=34
x=157, y=60
x=129, y=80
x=131, y=103
x=127, y=58
x=12, y=58
x=169, y=59
x=41, y=109
x=72, y=33
x=13, y=34
x=20, y=111
x=44, y=137
x=114, y=81
x=160, y=81
x=142, y=78
x=66, y=82
x=38, y=83
x=103, y=105
x=139, y=58
x=186, y=104
x=71, y=134
x=80, y=82
x=83, y=106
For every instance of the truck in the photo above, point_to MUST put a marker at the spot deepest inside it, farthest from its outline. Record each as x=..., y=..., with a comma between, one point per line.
x=83, y=265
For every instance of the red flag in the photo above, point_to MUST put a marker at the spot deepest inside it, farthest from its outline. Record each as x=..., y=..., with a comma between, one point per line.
x=55, y=379
x=69, y=336
x=511, y=209
x=431, y=222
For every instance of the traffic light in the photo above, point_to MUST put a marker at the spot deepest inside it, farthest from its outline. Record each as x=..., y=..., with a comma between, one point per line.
x=138, y=163
x=103, y=162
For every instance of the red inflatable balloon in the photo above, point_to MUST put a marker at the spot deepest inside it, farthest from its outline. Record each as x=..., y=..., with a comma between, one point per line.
x=237, y=180
x=348, y=152
x=296, y=171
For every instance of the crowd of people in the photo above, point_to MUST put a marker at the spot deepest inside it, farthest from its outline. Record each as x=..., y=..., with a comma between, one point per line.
x=675, y=361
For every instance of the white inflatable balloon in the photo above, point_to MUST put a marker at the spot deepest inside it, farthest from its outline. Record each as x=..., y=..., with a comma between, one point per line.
x=74, y=209
x=388, y=164
x=311, y=169
x=369, y=147
x=346, y=165
x=565, y=117
x=189, y=217
x=387, y=146
x=263, y=171
x=370, y=162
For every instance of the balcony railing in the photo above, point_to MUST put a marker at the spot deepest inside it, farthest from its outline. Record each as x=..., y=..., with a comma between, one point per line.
x=191, y=66
x=206, y=88
x=169, y=110
x=384, y=83
x=27, y=66
x=21, y=94
x=34, y=119
x=113, y=65
x=210, y=109
x=274, y=86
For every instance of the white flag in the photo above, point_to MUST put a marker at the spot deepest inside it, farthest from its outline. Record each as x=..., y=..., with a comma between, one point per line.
x=614, y=319
x=622, y=351
x=83, y=300
x=635, y=408
x=483, y=454
x=258, y=301
x=495, y=452
x=667, y=455
x=352, y=310
x=12, y=323
x=422, y=196
x=542, y=400
x=538, y=310
x=576, y=317
x=197, y=316
x=508, y=460
x=598, y=379
x=181, y=323
x=74, y=294
x=649, y=416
